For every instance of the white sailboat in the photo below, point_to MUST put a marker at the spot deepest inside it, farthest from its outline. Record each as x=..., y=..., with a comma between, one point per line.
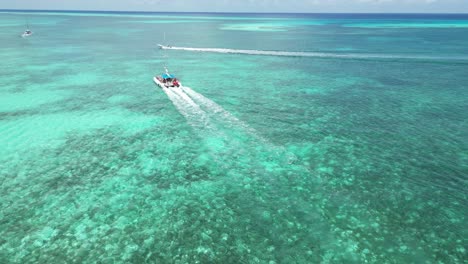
x=27, y=32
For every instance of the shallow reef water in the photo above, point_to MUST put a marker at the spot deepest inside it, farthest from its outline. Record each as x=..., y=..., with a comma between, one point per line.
x=259, y=159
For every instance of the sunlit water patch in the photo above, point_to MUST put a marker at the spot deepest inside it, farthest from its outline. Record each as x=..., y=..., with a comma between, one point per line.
x=274, y=26
x=265, y=27
x=444, y=24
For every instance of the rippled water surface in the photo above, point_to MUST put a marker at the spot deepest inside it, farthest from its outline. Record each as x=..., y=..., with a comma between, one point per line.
x=327, y=139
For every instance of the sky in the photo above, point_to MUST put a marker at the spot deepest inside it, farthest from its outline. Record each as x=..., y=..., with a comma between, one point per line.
x=286, y=6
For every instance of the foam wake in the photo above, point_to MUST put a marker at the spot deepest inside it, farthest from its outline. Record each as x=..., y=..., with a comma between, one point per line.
x=225, y=135
x=193, y=114
x=222, y=116
x=217, y=111
x=319, y=54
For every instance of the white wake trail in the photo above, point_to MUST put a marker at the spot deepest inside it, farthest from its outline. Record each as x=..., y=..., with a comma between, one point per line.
x=195, y=117
x=318, y=54
x=187, y=99
x=233, y=122
x=204, y=116
x=256, y=52
x=221, y=146
x=215, y=109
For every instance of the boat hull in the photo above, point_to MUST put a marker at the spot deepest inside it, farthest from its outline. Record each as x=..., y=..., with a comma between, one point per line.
x=157, y=82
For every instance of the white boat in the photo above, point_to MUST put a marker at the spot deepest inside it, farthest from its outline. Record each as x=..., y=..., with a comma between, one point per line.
x=167, y=80
x=26, y=33
x=164, y=46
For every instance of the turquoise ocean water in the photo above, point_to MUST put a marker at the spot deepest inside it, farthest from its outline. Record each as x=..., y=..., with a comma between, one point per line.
x=351, y=149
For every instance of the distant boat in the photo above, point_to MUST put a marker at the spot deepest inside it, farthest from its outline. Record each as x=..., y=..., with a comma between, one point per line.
x=27, y=32
x=166, y=80
x=164, y=46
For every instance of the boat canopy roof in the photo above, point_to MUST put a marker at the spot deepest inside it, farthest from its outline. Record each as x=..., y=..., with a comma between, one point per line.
x=168, y=76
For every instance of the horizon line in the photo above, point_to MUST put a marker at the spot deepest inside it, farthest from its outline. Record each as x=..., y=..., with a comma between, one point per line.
x=225, y=12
